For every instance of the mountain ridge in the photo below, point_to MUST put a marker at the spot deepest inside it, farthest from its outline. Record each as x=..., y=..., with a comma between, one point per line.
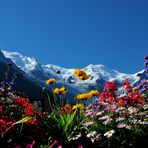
x=40, y=73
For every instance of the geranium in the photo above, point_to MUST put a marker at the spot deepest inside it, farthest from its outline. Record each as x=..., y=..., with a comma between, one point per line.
x=22, y=102
x=110, y=86
x=29, y=110
x=2, y=126
x=127, y=85
x=121, y=102
x=108, y=95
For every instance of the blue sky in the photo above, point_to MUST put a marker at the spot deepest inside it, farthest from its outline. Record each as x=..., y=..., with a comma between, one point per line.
x=75, y=33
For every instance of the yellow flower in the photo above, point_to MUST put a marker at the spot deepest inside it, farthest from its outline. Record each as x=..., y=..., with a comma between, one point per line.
x=94, y=92
x=51, y=81
x=81, y=96
x=84, y=77
x=78, y=106
x=62, y=90
x=89, y=95
x=134, y=88
x=56, y=91
x=81, y=74
x=84, y=96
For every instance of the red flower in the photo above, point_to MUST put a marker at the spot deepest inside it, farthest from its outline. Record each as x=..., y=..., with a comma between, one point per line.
x=9, y=123
x=1, y=110
x=121, y=102
x=110, y=86
x=22, y=102
x=29, y=110
x=126, y=83
x=2, y=126
x=66, y=109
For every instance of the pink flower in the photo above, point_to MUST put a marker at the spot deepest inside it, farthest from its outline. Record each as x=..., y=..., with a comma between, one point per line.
x=87, y=124
x=30, y=145
x=54, y=143
x=80, y=146
x=122, y=125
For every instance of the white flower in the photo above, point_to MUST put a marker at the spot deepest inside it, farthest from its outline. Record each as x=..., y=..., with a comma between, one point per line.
x=121, y=125
x=92, y=134
x=108, y=121
x=76, y=137
x=99, y=113
x=104, y=118
x=145, y=107
x=120, y=119
x=128, y=127
x=120, y=110
x=132, y=110
x=88, y=124
x=109, y=133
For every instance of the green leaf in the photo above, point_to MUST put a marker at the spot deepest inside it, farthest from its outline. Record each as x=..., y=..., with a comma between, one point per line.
x=24, y=120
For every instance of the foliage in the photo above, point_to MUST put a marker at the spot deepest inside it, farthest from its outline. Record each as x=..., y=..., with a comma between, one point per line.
x=111, y=121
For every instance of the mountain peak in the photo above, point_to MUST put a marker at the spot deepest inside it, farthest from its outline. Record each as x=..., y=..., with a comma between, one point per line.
x=23, y=62
x=40, y=73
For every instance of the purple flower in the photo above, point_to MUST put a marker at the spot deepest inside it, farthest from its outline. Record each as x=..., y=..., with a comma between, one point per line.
x=90, y=113
x=87, y=124
x=121, y=125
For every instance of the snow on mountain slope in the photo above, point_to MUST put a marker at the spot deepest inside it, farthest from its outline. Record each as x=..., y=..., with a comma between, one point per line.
x=25, y=63
x=98, y=73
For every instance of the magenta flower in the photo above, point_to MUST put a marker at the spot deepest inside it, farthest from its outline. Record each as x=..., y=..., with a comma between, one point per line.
x=30, y=145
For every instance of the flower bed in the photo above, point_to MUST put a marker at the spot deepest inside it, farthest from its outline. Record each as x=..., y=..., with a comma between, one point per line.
x=111, y=121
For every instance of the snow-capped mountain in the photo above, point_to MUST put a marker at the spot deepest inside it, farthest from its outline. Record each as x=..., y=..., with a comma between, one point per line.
x=29, y=88
x=40, y=73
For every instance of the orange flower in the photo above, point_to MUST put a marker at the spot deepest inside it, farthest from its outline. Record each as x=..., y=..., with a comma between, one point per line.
x=88, y=95
x=81, y=74
x=78, y=106
x=66, y=109
x=62, y=90
x=51, y=81
x=56, y=91
x=94, y=92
